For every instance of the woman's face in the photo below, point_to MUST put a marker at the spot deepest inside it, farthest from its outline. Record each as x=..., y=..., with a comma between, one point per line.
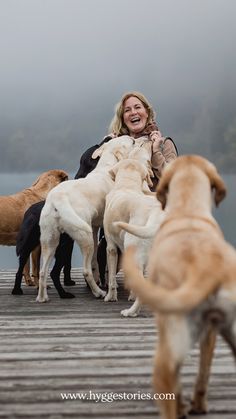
x=135, y=115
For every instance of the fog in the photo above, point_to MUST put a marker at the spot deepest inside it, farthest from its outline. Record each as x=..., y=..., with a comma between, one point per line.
x=66, y=63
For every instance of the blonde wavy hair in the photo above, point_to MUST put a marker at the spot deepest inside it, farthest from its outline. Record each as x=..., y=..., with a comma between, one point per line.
x=117, y=125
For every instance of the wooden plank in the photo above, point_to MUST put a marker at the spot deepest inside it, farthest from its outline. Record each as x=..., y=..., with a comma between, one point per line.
x=82, y=345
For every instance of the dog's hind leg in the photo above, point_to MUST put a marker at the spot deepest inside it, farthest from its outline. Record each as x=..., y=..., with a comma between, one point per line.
x=170, y=355
x=26, y=273
x=207, y=345
x=63, y=259
x=102, y=261
x=86, y=244
x=112, y=259
x=35, y=257
x=62, y=253
x=17, y=290
x=48, y=248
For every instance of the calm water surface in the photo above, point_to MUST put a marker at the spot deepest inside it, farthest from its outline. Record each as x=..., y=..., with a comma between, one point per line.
x=11, y=183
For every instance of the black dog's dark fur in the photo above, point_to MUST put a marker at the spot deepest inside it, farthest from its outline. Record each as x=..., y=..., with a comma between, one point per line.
x=29, y=238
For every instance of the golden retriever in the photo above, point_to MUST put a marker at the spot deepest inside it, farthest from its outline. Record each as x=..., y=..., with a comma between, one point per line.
x=13, y=207
x=192, y=281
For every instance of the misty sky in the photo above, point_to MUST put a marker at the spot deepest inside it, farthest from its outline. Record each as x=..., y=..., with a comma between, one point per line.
x=80, y=56
x=77, y=57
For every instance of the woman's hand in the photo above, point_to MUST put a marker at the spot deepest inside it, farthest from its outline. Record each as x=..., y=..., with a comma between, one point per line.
x=157, y=141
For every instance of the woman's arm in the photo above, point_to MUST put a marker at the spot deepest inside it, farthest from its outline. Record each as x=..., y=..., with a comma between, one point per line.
x=163, y=152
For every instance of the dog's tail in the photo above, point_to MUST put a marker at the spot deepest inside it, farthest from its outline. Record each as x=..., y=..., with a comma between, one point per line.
x=159, y=299
x=63, y=210
x=144, y=232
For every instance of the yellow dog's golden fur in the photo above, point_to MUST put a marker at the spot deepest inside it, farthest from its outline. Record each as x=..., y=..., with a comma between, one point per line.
x=13, y=207
x=192, y=286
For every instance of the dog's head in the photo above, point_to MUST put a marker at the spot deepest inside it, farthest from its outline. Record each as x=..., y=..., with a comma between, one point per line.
x=119, y=147
x=203, y=164
x=47, y=180
x=144, y=172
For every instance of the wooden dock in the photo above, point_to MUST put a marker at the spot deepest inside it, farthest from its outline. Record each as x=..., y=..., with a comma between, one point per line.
x=84, y=346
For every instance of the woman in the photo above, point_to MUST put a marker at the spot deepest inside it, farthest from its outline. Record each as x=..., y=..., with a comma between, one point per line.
x=134, y=116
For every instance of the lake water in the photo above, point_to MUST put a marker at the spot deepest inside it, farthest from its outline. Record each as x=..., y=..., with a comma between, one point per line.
x=11, y=183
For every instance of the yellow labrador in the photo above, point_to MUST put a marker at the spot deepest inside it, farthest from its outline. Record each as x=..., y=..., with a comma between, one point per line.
x=13, y=207
x=128, y=204
x=192, y=286
x=77, y=208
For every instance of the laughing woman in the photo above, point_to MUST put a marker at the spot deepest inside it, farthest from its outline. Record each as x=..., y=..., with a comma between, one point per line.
x=135, y=116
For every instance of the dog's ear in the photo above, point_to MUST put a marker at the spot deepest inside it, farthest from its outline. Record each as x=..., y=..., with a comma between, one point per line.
x=113, y=171
x=112, y=174
x=98, y=152
x=121, y=152
x=163, y=185
x=217, y=184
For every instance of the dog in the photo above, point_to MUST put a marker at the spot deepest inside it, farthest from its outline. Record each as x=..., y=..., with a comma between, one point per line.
x=13, y=207
x=78, y=209
x=192, y=285
x=129, y=202
x=28, y=238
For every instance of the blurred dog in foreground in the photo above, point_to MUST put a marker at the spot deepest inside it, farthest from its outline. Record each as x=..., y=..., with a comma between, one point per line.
x=192, y=285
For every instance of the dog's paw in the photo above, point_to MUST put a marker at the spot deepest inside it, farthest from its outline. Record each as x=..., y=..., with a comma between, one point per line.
x=197, y=411
x=128, y=313
x=69, y=283
x=17, y=291
x=40, y=299
x=67, y=295
x=29, y=281
x=111, y=296
x=198, y=405
x=99, y=293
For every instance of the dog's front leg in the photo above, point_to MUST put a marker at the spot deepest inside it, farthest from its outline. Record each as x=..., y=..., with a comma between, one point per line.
x=94, y=260
x=207, y=345
x=112, y=259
